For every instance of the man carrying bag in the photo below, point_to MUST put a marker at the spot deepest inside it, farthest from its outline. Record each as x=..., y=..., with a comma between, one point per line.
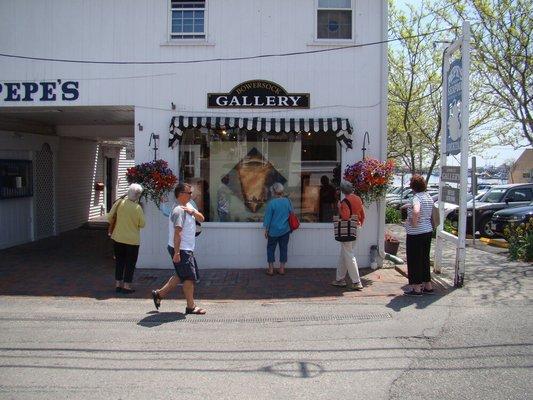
x=351, y=216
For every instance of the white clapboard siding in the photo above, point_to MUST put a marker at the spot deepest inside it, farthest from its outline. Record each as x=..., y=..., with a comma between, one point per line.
x=15, y=214
x=123, y=165
x=80, y=166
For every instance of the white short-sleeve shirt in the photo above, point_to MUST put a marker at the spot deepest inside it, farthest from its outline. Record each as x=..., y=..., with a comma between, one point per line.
x=180, y=218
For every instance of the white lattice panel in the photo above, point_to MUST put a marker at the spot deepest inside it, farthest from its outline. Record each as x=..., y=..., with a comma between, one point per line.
x=44, y=192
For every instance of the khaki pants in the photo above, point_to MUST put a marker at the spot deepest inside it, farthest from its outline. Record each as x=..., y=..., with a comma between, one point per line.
x=348, y=263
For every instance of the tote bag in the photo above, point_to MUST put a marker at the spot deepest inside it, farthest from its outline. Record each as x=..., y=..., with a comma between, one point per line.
x=345, y=231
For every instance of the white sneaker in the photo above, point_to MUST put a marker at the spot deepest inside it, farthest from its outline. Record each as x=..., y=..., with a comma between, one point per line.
x=341, y=283
x=356, y=286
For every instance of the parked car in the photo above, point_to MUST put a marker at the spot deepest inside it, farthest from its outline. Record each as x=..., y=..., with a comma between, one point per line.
x=509, y=217
x=399, y=203
x=497, y=198
x=393, y=200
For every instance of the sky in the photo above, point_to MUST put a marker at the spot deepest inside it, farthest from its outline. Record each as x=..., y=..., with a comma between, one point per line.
x=497, y=154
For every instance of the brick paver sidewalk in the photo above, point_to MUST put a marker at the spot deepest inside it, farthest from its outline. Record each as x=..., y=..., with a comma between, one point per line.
x=79, y=263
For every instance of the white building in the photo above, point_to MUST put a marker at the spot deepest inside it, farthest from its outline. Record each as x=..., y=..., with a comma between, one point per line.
x=79, y=79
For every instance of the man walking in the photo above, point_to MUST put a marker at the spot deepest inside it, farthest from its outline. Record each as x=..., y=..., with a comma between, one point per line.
x=181, y=242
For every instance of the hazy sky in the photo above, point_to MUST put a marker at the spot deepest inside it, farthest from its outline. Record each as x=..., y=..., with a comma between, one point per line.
x=497, y=154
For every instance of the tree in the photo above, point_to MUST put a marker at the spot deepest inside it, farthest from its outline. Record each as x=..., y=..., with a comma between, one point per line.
x=501, y=60
x=415, y=88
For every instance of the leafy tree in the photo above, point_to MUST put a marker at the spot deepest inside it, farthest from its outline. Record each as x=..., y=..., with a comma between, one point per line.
x=501, y=60
x=415, y=88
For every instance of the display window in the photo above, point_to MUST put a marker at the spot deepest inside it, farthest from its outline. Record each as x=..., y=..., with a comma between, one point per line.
x=233, y=170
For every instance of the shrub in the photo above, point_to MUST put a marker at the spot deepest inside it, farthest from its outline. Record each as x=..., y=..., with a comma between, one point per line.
x=392, y=216
x=520, y=239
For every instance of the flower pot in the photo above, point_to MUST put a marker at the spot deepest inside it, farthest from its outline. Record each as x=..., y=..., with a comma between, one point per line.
x=391, y=247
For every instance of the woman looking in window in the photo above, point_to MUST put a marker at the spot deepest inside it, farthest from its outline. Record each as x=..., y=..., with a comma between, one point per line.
x=277, y=230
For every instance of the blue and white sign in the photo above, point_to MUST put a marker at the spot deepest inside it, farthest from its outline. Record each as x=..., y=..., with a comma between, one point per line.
x=454, y=79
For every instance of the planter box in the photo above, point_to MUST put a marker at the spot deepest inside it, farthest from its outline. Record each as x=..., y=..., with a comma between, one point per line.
x=392, y=247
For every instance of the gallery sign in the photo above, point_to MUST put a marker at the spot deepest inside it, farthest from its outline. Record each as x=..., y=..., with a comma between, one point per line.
x=451, y=174
x=258, y=94
x=453, y=86
x=53, y=90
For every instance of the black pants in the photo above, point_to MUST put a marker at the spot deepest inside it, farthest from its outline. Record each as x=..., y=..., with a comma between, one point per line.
x=418, y=248
x=125, y=260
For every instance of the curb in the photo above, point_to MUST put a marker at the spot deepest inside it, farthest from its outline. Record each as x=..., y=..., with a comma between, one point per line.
x=495, y=243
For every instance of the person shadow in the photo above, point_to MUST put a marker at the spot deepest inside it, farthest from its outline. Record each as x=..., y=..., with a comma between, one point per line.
x=155, y=318
x=421, y=302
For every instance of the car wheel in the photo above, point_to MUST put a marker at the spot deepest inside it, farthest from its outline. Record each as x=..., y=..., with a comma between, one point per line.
x=484, y=227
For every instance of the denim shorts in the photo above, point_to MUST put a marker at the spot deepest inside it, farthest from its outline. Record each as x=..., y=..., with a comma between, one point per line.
x=186, y=269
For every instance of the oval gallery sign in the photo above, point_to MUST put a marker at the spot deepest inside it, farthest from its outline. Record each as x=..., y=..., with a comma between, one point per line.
x=258, y=94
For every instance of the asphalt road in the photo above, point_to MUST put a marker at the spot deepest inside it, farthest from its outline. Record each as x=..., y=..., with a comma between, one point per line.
x=472, y=343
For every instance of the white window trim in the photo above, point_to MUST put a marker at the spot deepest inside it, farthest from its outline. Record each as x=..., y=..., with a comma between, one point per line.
x=187, y=41
x=327, y=42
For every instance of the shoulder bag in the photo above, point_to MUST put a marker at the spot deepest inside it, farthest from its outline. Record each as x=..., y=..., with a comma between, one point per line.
x=345, y=231
x=294, y=223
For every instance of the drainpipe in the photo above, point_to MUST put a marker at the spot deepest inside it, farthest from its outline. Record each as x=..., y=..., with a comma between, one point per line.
x=383, y=124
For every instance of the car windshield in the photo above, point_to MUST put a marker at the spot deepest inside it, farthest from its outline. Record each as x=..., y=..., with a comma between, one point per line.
x=493, y=195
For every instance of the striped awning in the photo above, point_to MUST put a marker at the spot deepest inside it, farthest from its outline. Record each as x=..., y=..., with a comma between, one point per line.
x=339, y=126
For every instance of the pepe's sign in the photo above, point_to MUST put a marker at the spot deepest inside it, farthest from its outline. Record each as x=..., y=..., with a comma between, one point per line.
x=258, y=94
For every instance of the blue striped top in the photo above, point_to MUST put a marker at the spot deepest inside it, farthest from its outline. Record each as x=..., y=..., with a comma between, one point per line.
x=424, y=222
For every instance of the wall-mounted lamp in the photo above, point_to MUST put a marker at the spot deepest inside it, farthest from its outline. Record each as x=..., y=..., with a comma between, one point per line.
x=155, y=139
x=366, y=139
x=173, y=106
x=140, y=127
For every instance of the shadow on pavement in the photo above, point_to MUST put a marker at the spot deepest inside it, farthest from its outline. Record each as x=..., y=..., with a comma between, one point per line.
x=155, y=318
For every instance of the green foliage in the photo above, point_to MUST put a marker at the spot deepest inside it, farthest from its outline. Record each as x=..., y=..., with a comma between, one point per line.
x=520, y=239
x=501, y=76
x=449, y=227
x=392, y=216
x=500, y=80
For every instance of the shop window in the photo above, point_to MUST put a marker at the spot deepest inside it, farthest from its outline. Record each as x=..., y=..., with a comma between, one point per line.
x=187, y=19
x=334, y=19
x=16, y=178
x=232, y=172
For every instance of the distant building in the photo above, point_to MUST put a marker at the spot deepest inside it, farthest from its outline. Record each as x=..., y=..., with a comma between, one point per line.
x=522, y=170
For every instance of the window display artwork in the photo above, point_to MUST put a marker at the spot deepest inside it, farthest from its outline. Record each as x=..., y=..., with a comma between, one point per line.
x=251, y=178
x=234, y=171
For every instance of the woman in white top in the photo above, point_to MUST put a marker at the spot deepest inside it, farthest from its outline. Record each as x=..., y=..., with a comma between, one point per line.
x=418, y=243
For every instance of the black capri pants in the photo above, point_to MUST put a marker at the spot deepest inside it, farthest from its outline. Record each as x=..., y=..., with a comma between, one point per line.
x=418, y=248
x=125, y=261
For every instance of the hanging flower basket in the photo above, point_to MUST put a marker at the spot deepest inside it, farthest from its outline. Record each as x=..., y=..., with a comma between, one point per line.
x=370, y=178
x=155, y=177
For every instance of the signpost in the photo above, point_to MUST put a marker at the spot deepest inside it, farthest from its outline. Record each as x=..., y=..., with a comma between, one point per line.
x=454, y=140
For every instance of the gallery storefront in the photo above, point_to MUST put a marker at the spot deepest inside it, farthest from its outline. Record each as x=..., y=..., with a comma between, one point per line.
x=285, y=95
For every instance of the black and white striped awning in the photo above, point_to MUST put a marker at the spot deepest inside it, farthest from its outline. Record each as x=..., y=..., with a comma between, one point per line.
x=339, y=126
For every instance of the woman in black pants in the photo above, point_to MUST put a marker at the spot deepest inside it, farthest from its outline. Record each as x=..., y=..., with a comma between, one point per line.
x=418, y=243
x=126, y=219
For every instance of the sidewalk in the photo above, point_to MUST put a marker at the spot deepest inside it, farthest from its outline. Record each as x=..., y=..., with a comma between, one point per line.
x=79, y=263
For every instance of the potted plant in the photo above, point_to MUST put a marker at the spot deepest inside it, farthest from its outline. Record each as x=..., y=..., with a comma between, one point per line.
x=391, y=244
x=370, y=178
x=155, y=177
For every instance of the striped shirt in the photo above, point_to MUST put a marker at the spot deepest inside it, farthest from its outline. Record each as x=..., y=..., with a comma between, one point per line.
x=424, y=221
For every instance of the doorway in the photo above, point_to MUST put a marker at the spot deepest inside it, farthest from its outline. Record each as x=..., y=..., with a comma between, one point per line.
x=109, y=186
